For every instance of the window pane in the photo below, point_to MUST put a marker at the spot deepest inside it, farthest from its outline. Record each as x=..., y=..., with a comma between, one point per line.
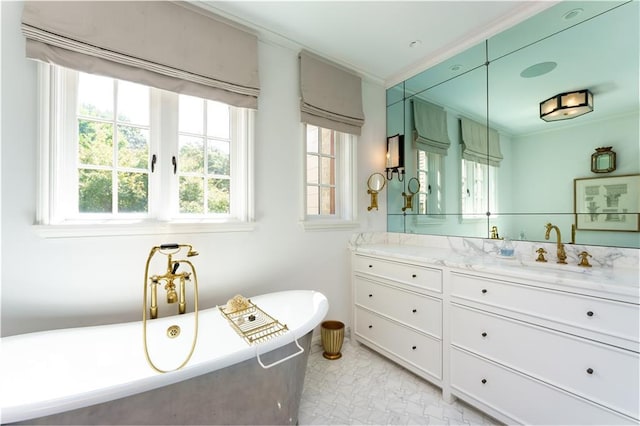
x=133, y=103
x=312, y=169
x=218, y=157
x=95, y=143
x=191, y=155
x=327, y=142
x=133, y=192
x=191, y=114
x=218, y=201
x=327, y=201
x=217, y=120
x=313, y=207
x=133, y=147
x=191, y=194
x=94, y=191
x=312, y=138
x=328, y=171
x=95, y=96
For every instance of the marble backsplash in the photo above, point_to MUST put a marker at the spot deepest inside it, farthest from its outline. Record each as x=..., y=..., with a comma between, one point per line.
x=601, y=256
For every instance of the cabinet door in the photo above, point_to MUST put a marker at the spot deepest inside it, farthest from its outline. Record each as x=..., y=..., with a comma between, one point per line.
x=410, y=346
x=416, y=276
x=601, y=373
x=421, y=312
x=522, y=398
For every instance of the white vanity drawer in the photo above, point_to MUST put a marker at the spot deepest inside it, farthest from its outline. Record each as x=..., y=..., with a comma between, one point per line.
x=417, y=349
x=415, y=310
x=604, y=316
x=521, y=398
x=598, y=372
x=406, y=273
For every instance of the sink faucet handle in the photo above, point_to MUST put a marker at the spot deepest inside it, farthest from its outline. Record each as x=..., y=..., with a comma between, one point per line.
x=583, y=259
x=541, y=252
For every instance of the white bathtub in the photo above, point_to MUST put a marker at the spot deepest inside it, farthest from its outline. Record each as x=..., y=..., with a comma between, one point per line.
x=57, y=371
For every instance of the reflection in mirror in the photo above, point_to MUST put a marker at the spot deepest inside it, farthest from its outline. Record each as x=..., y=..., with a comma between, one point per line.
x=583, y=41
x=603, y=160
x=412, y=189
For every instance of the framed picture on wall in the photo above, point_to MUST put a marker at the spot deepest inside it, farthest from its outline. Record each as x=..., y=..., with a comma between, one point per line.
x=607, y=203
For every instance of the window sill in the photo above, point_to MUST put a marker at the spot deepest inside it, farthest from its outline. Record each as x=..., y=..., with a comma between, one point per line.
x=97, y=229
x=328, y=225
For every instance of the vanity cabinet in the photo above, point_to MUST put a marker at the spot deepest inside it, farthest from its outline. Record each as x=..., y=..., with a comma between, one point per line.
x=536, y=355
x=398, y=312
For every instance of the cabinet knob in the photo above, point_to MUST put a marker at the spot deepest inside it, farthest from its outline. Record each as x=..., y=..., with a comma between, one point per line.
x=414, y=347
x=484, y=334
x=414, y=311
x=371, y=295
x=483, y=381
x=370, y=326
x=589, y=370
x=370, y=266
x=590, y=313
x=484, y=291
x=413, y=275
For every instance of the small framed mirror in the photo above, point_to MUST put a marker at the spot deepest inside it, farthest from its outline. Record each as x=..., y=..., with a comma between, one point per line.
x=603, y=160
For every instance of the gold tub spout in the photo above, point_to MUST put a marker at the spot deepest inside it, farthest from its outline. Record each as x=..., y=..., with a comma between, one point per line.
x=562, y=255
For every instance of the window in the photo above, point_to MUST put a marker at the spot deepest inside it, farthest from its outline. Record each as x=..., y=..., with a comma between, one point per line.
x=127, y=153
x=329, y=181
x=430, y=175
x=478, y=189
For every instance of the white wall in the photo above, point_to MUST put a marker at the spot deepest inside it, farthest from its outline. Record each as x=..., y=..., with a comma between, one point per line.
x=53, y=283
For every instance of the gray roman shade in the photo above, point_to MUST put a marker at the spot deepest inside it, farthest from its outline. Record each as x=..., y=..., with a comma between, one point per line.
x=478, y=144
x=163, y=44
x=430, y=127
x=331, y=96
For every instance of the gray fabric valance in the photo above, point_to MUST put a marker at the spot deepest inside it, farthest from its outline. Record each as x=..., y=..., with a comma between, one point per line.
x=430, y=127
x=331, y=97
x=158, y=43
x=479, y=145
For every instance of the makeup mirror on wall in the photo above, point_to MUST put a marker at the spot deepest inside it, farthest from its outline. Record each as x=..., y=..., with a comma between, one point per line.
x=498, y=86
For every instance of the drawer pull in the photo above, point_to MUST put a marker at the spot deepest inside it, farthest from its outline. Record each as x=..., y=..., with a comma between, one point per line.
x=414, y=311
x=484, y=381
x=371, y=295
x=590, y=313
x=370, y=266
x=414, y=347
x=484, y=291
x=589, y=370
x=413, y=275
x=484, y=334
x=370, y=326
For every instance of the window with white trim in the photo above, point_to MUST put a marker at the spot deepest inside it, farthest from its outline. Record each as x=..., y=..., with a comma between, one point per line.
x=478, y=183
x=329, y=177
x=430, y=175
x=118, y=152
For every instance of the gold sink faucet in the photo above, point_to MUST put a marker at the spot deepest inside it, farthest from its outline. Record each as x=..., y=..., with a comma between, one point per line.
x=562, y=256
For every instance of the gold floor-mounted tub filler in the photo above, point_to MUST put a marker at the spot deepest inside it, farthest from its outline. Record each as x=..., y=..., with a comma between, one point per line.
x=169, y=279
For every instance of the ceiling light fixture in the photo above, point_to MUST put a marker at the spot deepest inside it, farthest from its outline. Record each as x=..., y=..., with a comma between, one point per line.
x=567, y=105
x=415, y=43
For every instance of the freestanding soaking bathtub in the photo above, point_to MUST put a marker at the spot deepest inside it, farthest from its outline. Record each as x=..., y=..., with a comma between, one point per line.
x=99, y=375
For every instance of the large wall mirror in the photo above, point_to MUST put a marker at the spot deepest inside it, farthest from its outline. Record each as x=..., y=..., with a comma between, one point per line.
x=505, y=166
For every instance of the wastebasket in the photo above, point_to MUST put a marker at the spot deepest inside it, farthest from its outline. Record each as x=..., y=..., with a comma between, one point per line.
x=332, y=333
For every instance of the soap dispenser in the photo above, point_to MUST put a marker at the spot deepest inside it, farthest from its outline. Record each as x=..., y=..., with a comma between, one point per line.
x=506, y=248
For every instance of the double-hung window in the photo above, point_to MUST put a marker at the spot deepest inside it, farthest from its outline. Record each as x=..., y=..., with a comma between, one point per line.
x=430, y=176
x=329, y=178
x=116, y=153
x=478, y=183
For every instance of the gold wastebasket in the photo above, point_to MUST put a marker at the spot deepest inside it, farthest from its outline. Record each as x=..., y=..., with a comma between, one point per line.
x=332, y=333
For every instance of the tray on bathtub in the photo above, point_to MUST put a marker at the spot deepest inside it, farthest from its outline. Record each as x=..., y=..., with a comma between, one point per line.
x=253, y=324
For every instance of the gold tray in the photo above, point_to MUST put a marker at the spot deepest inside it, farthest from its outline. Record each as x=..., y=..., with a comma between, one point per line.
x=253, y=324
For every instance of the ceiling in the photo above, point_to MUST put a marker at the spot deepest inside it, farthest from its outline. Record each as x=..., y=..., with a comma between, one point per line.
x=374, y=37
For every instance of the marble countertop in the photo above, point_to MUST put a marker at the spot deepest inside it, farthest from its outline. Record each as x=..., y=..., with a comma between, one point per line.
x=621, y=283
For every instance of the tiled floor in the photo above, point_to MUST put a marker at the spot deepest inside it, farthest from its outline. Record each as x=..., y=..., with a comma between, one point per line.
x=364, y=388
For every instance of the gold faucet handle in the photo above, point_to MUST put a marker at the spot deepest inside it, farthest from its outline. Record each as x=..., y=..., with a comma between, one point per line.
x=541, y=252
x=583, y=259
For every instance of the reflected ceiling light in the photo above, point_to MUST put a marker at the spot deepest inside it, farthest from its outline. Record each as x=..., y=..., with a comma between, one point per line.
x=572, y=14
x=566, y=105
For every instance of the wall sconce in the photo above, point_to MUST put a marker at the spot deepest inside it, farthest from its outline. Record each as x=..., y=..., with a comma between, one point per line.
x=395, y=156
x=567, y=105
